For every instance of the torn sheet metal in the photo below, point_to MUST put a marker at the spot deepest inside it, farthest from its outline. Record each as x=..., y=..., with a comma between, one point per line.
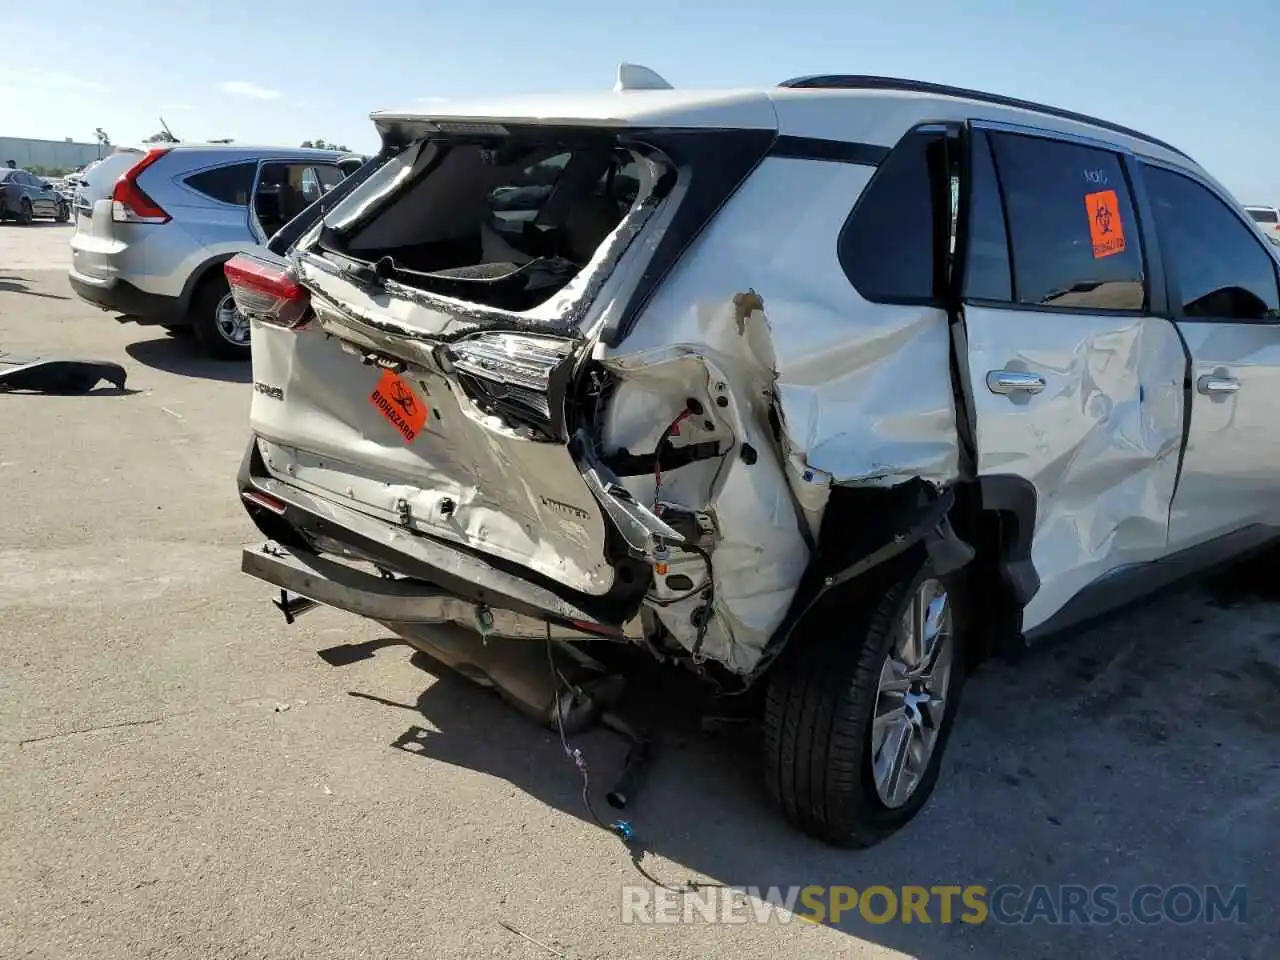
x=864, y=390
x=761, y=326
x=757, y=548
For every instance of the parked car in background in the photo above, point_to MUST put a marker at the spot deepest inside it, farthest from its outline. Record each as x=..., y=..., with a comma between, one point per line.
x=735, y=395
x=25, y=197
x=1267, y=219
x=154, y=229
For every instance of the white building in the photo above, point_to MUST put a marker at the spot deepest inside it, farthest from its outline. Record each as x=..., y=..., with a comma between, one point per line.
x=49, y=153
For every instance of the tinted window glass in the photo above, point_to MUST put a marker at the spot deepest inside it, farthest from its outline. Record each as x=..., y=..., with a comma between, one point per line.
x=887, y=246
x=231, y=184
x=1265, y=216
x=987, y=269
x=1222, y=269
x=1074, y=233
x=330, y=177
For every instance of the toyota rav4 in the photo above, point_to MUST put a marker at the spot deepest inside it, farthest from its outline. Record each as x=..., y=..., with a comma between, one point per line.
x=826, y=392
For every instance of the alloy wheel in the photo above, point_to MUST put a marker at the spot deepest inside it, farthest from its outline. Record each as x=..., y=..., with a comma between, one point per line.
x=911, y=697
x=232, y=325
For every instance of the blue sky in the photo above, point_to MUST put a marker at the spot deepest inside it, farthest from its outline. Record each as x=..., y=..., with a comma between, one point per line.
x=1204, y=75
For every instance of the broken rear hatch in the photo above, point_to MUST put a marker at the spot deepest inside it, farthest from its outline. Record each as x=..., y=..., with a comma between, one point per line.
x=456, y=297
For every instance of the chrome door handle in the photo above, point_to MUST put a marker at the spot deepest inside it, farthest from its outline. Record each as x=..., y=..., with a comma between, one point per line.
x=1215, y=386
x=1005, y=382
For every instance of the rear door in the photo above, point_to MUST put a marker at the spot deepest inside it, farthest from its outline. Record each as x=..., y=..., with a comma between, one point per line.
x=43, y=199
x=1226, y=297
x=1077, y=381
x=282, y=189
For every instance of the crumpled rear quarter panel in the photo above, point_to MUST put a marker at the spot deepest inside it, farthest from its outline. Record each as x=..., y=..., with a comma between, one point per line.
x=863, y=391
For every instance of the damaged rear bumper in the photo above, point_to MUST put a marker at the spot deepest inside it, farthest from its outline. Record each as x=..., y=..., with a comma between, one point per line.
x=403, y=601
x=420, y=575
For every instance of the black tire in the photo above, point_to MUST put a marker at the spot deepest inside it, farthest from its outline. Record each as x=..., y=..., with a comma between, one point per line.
x=819, y=705
x=25, y=213
x=64, y=212
x=204, y=321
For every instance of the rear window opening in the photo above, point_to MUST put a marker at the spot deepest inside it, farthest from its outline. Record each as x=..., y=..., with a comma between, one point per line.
x=505, y=222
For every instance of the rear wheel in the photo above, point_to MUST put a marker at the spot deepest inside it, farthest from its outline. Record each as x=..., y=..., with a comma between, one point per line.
x=218, y=327
x=64, y=211
x=856, y=726
x=25, y=213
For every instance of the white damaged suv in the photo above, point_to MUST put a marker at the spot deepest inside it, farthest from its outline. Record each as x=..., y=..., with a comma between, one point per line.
x=827, y=392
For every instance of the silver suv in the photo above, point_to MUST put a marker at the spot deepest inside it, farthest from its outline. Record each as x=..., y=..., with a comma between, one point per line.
x=824, y=392
x=151, y=246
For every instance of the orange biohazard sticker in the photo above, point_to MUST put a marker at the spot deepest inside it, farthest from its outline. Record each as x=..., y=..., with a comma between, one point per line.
x=1105, y=229
x=396, y=400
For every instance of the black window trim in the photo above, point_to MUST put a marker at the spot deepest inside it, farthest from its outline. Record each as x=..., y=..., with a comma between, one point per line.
x=940, y=128
x=1171, y=269
x=1124, y=156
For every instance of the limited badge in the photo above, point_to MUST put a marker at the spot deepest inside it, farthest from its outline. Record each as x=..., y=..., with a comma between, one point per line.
x=395, y=398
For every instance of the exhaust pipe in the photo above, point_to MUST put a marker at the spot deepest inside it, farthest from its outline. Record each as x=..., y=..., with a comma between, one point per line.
x=580, y=690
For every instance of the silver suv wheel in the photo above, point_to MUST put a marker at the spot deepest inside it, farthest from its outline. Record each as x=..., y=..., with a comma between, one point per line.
x=233, y=327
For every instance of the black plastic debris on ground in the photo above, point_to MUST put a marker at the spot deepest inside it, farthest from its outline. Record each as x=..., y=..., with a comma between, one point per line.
x=63, y=377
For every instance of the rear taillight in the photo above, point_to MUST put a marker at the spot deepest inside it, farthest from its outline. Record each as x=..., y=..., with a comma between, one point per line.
x=267, y=292
x=129, y=202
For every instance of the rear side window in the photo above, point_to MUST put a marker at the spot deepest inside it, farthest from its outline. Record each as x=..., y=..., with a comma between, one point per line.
x=230, y=184
x=887, y=246
x=1072, y=227
x=1264, y=216
x=1221, y=268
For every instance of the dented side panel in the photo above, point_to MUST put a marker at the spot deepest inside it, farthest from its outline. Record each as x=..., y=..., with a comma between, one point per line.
x=1100, y=442
x=759, y=324
x=864, y=389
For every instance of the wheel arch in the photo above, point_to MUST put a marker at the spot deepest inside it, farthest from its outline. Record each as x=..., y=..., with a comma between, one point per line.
x=872, y=536
x=200, y=276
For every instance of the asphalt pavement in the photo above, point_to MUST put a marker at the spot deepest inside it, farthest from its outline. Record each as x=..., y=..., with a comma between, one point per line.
x=182, y=775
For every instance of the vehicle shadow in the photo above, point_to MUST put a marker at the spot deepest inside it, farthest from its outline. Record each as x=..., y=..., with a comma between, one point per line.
x=179, y=355
x=1091, y=762
x=19, y=285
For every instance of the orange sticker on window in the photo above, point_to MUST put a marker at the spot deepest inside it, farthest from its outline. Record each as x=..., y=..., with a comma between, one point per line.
x=396, y=400
x=1105, y=229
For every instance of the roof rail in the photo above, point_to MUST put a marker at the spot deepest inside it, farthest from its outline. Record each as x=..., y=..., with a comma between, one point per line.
x=853, y=81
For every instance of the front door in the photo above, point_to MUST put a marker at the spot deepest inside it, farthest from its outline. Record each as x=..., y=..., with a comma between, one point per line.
x=1077, y=384
x=1227, y=301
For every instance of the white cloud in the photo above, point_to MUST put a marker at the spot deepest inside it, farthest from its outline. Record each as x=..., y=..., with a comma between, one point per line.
x=177, y=106
x=239, y=88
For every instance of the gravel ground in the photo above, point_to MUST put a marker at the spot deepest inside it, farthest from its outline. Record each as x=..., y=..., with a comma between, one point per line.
x=183, y=776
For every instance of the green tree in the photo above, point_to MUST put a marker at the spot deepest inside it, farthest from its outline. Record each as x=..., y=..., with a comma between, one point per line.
x=324, y=145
